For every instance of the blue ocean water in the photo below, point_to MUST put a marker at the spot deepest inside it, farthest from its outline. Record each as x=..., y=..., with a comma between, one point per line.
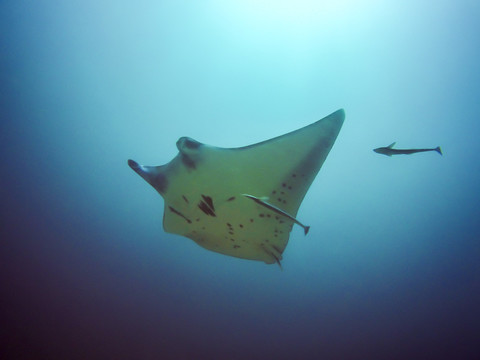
x=390, y=268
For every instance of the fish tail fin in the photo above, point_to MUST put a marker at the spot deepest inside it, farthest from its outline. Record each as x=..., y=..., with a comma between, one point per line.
x=306, y=228
x=439, y=150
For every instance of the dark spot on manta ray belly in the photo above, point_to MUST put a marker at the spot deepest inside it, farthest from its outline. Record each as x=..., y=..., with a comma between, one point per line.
x=209, y=201
x=206, y=205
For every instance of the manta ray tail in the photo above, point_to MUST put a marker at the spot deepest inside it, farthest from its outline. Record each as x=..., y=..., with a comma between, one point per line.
x=439, y=150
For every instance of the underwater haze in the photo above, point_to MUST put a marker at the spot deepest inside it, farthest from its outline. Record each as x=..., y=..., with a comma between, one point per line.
x=390, y=268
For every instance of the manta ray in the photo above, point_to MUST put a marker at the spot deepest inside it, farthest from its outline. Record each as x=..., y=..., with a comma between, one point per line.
x=242, y=201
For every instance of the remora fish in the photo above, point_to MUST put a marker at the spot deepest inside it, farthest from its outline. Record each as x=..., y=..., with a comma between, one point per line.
x=389, y=151
x=277, y=210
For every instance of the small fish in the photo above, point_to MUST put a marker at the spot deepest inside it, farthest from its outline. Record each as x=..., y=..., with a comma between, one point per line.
x=261, y=201
x=389, y=151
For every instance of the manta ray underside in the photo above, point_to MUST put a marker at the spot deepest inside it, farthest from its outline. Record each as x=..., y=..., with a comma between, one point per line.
x=243, y=201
